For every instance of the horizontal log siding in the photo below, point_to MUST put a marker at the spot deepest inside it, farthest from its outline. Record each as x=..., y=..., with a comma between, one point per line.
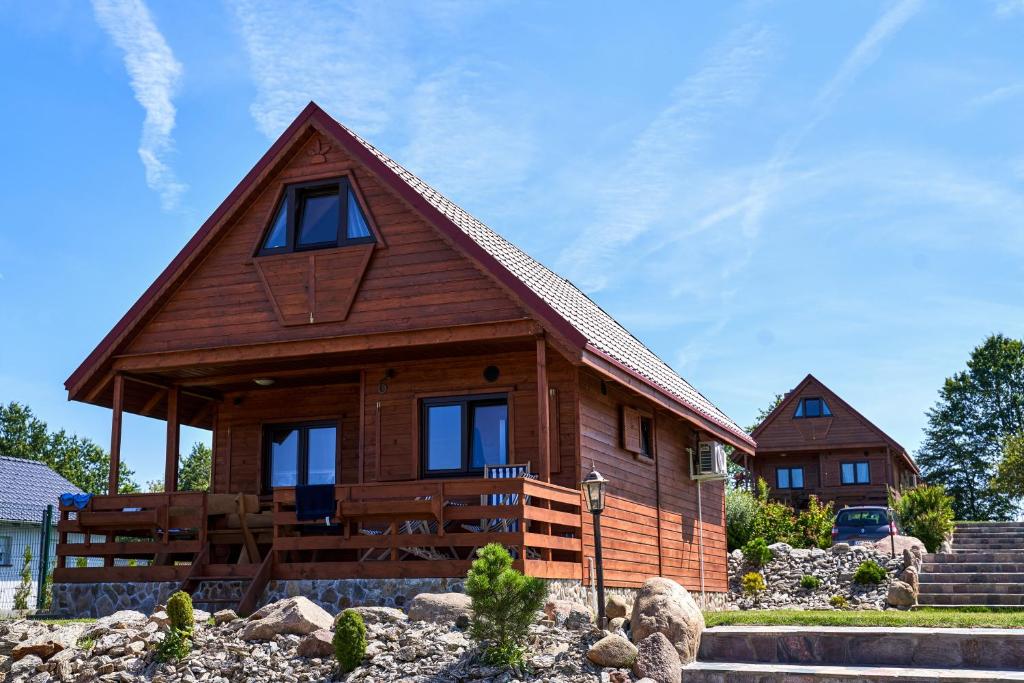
x=823, y=477
x=240, y=420
x=417, y=282
x=630, y=524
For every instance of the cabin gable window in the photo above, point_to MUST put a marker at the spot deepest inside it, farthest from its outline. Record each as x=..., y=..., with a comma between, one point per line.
x=299, y=454
x=638, y=432
x=812, y=407
x=855, y=473
x=316, y=215
x=459, y=435
x=789, y=477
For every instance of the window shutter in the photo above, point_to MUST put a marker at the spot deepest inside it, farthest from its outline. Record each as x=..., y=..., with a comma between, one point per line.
x=630, y=429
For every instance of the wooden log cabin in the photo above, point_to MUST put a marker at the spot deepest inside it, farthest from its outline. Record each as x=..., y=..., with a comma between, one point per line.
x=338, y=322
x=816, y=443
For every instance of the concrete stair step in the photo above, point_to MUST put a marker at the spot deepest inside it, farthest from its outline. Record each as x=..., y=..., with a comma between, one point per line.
x=985, y=533
x=865, y=646
x=977, y=598
x=973, y=577
x=1002, y=556
x=987, y=588
x=985, y=546
x=738, y=672
x=988, y=525
x=971, y=567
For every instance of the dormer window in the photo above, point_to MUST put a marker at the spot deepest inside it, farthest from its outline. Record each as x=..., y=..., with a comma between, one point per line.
x=317, y=215
x=812, y=407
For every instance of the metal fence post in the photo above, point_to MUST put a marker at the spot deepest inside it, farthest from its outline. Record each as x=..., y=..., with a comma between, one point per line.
x=44, y=556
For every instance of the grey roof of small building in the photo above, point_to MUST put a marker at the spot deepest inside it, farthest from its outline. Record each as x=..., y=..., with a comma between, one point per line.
x=27, y=487
x=601, y=330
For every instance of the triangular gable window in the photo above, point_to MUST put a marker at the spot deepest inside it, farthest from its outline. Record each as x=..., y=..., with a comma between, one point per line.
x=812, y=407
x=314, y=216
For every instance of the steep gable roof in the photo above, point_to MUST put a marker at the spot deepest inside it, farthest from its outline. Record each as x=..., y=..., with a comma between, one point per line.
x=555, y=300
x=781, y=417
x=27, y=487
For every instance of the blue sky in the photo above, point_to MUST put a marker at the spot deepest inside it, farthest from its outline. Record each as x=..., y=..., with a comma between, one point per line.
x=757, y=190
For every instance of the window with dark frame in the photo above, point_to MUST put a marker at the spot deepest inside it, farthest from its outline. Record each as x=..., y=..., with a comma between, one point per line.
x=5, y=551
x=459, y=435
x=646, y=436
x=316, y=215
x=812, y=407
x=855, y=472
x=789, y=477
x=299, y=454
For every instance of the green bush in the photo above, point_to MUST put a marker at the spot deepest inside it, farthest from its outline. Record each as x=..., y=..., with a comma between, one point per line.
x=869, y=573
x=926, y=513
x=814, y=525
x=504, y=604
x=774, y=522
x=179, y=611
x=175, y=646
x=756, y=552
x=753, y=583
x=810, y=582
x=839, y=602
x=740, y=512
x=349, y=640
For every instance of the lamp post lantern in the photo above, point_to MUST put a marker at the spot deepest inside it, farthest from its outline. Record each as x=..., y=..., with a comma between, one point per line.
x=593, y=491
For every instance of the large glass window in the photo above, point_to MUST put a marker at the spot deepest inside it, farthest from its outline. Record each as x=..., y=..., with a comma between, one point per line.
x=856, y=472
x=789, y=477
x=300, y=454
x=812, y=407
x=317, y=215
x=462, y=434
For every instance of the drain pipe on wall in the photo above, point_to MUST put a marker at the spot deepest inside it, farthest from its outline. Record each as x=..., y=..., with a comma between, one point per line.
x=700, y=537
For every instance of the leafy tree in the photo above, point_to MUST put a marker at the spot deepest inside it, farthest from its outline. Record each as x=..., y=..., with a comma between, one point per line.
x=1009, y=477
x=195, y=469
x=505, y=604
x=978, y=408
x=766, y=411
x=735, y=470
x=24, y=589
x=155, y=486
x=79, y=460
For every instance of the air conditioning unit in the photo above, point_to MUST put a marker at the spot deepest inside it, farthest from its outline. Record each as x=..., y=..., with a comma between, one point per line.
x=709, y=461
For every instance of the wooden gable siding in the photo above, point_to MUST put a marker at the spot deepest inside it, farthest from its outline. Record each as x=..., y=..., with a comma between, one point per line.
x=640, y=537
x=391, y=418
x=416, y=281
x=843, y=428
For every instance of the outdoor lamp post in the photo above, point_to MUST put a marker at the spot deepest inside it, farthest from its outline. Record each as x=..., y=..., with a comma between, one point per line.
x=593, y=490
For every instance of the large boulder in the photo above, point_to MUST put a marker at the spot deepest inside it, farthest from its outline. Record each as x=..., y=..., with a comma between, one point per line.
x=297, y=615
x=901, y=595
x=48, y=644
x=657, y=659
x=901, y=542
x=910, y=577
x=441, y=608
x=613, y=651
x=319, y=643
x=568, y=613
x=123, y=620
x=377, y=615
x=663, y=606
x=617, y=606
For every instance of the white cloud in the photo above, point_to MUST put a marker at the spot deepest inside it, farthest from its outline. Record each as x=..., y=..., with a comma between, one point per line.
x=348, y=57
x=998, y=95
x=155, y=76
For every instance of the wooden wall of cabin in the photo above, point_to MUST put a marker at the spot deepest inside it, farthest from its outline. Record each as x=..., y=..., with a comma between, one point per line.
x=391, y=417
x=642, y=538
x=823, y=475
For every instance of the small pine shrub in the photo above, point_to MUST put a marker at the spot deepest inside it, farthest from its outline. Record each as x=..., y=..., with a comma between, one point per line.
x=756, y=552
x=504, y=605
x=810, y=582
x=838, y=601
x=179, y=610
x=753, y=583
x=175, y=646
x=24, y=589
x=869, y=573
x=349, y=640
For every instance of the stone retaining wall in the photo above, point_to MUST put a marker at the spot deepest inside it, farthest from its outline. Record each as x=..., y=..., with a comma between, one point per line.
x=96, y=600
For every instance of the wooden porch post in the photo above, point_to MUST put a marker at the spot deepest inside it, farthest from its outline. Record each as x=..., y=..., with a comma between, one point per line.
x=543, y=412
x=173, y=439
x=115, y=435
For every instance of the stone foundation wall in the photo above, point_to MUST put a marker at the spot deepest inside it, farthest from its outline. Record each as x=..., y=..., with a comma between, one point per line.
x=101, y=599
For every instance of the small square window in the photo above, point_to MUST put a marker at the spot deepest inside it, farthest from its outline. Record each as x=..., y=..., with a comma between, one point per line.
x=300, y=454
x=462, y=435
x=317, y=215
x=789, y=477
x=318, y=218
x=855, y=473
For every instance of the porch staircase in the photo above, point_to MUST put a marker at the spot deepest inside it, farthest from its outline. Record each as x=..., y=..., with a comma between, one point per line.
x=986, y=568
x=783, y=654
x=214, y=587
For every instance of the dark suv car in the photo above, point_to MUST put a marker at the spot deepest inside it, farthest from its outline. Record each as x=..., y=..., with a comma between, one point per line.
x=863, y=524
